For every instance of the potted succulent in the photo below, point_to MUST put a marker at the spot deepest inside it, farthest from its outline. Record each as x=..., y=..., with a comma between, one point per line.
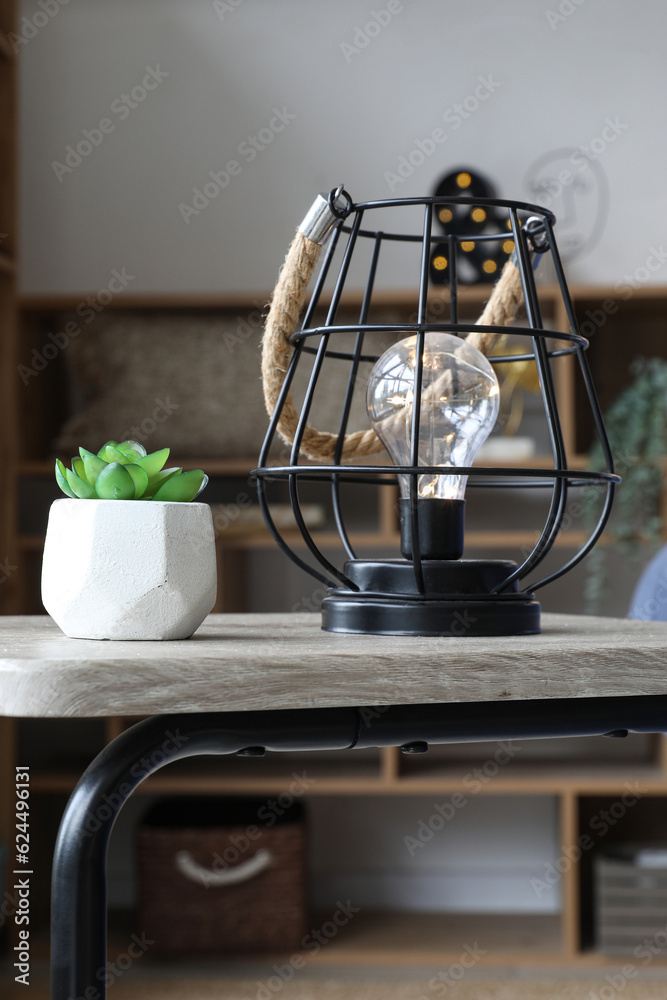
x=127, y=556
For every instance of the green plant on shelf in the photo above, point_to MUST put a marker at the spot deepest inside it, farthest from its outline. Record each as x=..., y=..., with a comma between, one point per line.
x=636, y=424
x=124, y=471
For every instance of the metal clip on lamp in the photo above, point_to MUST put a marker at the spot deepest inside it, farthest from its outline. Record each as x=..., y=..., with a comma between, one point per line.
x=431, y=590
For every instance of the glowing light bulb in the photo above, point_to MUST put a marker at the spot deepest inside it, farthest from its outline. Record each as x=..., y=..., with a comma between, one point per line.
x=458, y=408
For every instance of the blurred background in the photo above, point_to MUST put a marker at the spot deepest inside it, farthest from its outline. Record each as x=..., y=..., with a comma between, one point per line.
x=166, y=150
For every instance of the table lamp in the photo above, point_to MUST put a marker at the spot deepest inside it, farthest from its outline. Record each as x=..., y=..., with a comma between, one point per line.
x=449, y=368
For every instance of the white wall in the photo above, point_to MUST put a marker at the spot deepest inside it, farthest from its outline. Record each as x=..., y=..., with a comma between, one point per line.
x=480, y=858
x=556, y=80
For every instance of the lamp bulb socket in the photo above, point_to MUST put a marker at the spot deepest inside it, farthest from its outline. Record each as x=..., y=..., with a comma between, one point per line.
x=440, y=524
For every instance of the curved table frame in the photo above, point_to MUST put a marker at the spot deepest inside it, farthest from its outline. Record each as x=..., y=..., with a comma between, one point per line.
x=78, y=936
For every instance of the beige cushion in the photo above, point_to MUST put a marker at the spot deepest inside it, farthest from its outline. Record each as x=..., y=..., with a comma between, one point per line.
x=191, y=381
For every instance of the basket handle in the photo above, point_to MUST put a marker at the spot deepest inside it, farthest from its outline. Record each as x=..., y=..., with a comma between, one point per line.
x=192, y=870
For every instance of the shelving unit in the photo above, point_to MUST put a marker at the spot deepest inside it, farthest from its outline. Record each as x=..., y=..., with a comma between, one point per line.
x=577, y=779
x=580, y=781
x=41, y=409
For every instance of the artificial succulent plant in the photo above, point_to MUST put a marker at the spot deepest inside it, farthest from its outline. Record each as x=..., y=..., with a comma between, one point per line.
x=124, y=471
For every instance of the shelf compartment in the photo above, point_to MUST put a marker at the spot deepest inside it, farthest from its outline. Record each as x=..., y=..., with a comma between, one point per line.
x=633, y=816
x=317, y=773
x=642, y=311
x=391, y=938
x=472, y=295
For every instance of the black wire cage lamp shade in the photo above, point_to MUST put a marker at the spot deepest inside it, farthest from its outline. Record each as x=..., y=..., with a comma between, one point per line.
x=449, y=366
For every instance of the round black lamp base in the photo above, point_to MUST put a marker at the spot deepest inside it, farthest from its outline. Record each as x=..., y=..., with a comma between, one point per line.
x=457, y=600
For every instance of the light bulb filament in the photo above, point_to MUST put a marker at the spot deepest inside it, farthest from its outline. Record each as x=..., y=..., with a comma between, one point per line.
x=458, y=408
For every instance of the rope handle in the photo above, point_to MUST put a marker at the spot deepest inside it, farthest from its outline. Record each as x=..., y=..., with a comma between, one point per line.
x=286, y=304
x=195, y=872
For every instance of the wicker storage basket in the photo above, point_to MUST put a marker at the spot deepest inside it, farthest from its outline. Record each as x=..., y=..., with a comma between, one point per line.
x=187, y=846
x=630, y=899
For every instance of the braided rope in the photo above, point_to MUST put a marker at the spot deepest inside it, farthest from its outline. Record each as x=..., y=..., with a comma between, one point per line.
x=286, y=304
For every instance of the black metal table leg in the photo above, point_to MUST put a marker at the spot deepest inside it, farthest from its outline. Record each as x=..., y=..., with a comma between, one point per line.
x=78, y=916
x=78, y=909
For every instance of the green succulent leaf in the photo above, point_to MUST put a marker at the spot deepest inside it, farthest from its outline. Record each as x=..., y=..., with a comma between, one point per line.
x=183, y=488
x=154, y=462
x=132, y=449
x=115, y=483
x=61, y=479
x=112, y=444
x=159, y=479
x=112, y=454
x=203, y=483
x=125, y=472
x=80, y=488
x=92, y=464
x=139, y=478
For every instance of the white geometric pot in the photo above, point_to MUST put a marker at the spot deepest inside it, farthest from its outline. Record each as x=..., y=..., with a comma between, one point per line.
x=129, y=569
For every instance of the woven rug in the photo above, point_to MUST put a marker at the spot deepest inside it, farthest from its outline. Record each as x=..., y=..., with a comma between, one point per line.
x=196, y=988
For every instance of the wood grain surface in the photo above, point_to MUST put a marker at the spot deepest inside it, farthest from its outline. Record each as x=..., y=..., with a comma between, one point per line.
x=254, y=662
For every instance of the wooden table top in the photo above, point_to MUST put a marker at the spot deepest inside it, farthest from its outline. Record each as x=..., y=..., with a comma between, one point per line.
x=274, y=661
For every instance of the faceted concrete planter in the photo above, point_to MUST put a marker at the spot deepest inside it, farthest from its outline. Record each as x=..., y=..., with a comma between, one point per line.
x=129, y=569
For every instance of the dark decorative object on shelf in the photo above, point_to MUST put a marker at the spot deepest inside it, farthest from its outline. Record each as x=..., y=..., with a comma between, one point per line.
x=430, y=590
x=480, y=260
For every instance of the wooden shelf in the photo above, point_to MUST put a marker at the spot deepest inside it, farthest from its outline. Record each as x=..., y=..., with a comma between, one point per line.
x=244, y=466
x=385, y=298
x=376, y=938
x=474, y=295
x=260, y=540
x=535, y=778
x=231, y=776
x=370, y=938
x=382, y=939
x=213, y=466
x=205, y=779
